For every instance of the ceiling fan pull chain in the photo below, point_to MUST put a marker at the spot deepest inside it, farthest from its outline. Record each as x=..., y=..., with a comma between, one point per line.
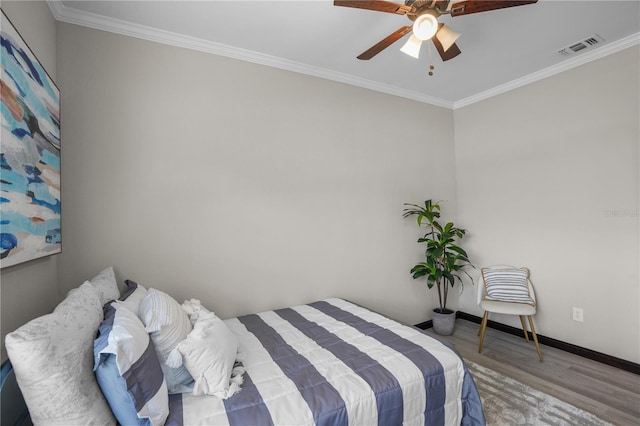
x=431, y=67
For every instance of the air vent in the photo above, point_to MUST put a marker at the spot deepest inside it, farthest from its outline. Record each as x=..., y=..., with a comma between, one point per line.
x=581, y=45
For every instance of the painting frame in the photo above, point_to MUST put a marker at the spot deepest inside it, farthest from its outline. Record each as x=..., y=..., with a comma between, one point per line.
x=30, y=154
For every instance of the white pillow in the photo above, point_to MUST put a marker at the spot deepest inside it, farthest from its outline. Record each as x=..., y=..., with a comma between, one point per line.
x=106, y=284
x=134, y=295
x=209, y=353
x=53, y=360
x=168, y=325
x=194, y=309
x=134, y=385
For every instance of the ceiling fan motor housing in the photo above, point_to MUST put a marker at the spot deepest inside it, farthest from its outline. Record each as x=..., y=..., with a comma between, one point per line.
x=420, y=7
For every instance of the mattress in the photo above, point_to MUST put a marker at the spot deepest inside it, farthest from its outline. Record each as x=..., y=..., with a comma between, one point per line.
x=332, y=362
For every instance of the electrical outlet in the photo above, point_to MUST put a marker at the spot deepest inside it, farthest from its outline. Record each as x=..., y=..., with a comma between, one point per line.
x=578, y=314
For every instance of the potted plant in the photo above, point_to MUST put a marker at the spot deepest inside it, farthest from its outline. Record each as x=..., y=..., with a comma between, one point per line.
x=444, y=259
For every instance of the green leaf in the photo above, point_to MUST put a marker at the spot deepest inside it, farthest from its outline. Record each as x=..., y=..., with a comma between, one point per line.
x=443, y=257
x=458, y=250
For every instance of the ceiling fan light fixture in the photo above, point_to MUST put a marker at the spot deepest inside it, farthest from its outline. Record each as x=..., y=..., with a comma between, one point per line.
x=425, y=26
x=412, y=46
x=447, y=37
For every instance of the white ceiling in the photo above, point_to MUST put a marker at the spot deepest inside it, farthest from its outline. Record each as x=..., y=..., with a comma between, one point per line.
x=501, y=49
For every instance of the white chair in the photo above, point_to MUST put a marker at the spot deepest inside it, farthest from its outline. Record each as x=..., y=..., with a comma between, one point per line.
x=507, y=290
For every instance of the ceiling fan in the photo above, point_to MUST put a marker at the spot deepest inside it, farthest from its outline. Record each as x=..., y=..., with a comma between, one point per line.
x=424, y=14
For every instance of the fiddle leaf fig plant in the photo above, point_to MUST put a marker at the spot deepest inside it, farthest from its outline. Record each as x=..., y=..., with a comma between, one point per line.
x=444, y=258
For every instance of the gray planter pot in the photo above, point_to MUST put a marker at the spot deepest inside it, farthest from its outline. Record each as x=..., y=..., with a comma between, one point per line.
x=444, y=324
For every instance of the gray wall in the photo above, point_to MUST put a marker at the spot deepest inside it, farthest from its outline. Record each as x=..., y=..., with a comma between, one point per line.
x=252, y=188
x=30, y=289
x=548, y=178
x=245, y=186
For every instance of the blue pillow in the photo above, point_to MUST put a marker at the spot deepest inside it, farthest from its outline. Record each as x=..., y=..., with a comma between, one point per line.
x=128, y=371
x=114, y=389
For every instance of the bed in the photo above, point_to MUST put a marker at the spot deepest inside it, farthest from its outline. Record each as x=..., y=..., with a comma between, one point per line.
x=326, y=362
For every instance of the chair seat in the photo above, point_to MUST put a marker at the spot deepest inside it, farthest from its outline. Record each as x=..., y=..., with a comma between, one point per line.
x=507, y=307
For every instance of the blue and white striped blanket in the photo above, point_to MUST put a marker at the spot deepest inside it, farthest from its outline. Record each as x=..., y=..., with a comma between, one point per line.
x=336, y=363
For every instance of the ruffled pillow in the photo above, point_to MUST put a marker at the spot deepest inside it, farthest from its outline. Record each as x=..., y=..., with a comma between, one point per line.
x=209, y=353
x=194, y=310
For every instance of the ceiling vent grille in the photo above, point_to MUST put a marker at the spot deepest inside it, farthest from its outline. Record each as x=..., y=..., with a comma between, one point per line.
x=581, y=45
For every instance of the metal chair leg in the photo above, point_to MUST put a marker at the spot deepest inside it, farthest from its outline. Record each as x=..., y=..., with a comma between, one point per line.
x=524, y=328
x=535, y=337
x=483, y=329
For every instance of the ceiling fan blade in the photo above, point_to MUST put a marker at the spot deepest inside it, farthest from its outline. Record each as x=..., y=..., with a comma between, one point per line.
x=449, y=53
x=476, y=6
x=377, y=5
x=384, y=43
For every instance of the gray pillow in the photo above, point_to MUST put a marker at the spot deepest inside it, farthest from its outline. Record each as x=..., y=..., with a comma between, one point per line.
x=106, y=284
x=52, y=357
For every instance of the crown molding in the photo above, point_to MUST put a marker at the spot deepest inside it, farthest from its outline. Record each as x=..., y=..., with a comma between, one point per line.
x=86, y=19
x=586, y=57
x=73, y=16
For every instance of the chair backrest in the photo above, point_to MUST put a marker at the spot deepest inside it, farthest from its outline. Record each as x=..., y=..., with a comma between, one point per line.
x=481, y=291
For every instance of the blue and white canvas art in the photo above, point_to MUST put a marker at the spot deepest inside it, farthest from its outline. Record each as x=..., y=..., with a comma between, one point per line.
x=29, y=154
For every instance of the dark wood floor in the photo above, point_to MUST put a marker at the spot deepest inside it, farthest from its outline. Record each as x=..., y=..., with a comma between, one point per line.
x=608, y=392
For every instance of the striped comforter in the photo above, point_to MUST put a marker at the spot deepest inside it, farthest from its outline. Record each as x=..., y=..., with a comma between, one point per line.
x=335, y=363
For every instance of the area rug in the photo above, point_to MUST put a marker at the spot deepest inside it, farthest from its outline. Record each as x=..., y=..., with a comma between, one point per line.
x=509, y=402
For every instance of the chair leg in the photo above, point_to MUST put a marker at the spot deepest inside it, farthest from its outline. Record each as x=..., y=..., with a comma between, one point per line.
x=483, y=329
x=524, y=328
x=535, y=337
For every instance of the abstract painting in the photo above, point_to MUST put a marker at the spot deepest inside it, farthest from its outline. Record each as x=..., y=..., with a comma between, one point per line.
x=29, y=154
